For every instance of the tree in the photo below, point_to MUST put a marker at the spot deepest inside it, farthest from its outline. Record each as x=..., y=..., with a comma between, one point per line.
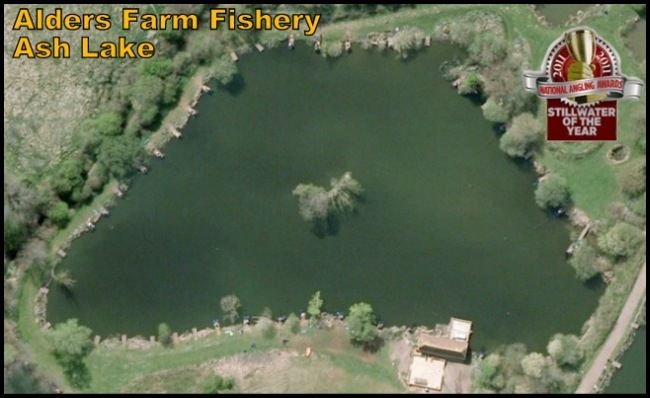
x=621, y=240
x=315, y=306
x=533, y=365
x=565, y=350
x=116, y=154
x=293, y=323
x=522, y=137
x=224, y=70
x=361, y=324
x=344, y=193
x=59, y=214
x=71, y=345
x=267, y=327
x=584, y=261
x=313, y=203
x=485, y=371
x=68, y=178
x=552, y=192
x=230, y=306
x=64, y=278
x=109, y=124
x=15, y=232
x=494, y=112
x=164, y=335
x=633, y=178
x=217, y=384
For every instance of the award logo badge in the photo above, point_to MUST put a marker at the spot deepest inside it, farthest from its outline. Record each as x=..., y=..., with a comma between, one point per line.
x=581, y=80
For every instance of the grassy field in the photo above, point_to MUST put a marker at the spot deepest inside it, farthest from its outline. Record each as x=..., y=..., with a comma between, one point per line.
x=271, y=366
x=41, y=111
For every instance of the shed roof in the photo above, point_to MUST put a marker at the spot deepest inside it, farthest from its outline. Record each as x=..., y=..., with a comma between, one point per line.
x=442, y=343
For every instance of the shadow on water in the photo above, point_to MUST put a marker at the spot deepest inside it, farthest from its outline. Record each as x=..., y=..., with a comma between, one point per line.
x=236, y=86
x=328, y=226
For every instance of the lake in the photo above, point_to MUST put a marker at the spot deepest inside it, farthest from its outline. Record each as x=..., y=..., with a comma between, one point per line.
x=631, y=378
x=448, y=227
x=559, y=14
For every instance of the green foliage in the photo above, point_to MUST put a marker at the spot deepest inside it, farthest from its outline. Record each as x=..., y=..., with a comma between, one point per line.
x=71, y=345
x=266, y=327
x=117, y=154
x=64, y=279
x=59, y=214
x=23, y=378
x=494, y=112
x=584, y=261
x=69, y=178
x=621, y=240
x=313, y=202
x=485, y=372
x=164, y=335
x=218, y=384
x=407, y=39
x=565, y=350
x=361, y=324
x=230, y=306
x=533, y=364
x=552, y=192
x=108, y=124
x=15, y=232
x=470, y=83
x=633, y=178
x=159, y=67
x=315, y=306
x=293, y=323
x=224, y=70
x=522, y=137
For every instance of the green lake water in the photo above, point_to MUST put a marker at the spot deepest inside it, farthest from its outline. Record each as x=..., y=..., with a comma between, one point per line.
x=631, y=378
x=558, y=14
x=448, y=228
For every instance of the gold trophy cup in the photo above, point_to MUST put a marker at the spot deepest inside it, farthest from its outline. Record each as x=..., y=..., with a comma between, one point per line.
x=581, y=43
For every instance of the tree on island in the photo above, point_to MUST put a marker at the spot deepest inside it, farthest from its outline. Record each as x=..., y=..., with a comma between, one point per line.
x=230, y=306
x=314, y=203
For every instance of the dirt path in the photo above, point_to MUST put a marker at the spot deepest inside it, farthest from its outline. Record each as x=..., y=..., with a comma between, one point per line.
x=613, y=340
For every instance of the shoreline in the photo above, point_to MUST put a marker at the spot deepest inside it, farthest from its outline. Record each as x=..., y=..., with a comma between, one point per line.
x=162, y=136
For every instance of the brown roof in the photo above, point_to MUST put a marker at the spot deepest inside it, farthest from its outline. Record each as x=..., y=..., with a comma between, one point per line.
x=442, y=343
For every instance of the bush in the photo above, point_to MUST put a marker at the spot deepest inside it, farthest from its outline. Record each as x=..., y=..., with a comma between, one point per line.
x=493, y=112
x=632, y=178
x=565, y=350
x=470, y=83
x=315, y=305
x=218, y=384
x=230, y=306
x=69, y=179
x=584, y=261
x=266, y=327
x=293, y=323
x=59, y=214
x=621, y=240
x=223, y=69
x=109, y=124
x=522, y=137
x=164, y=335
x=552, y=192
